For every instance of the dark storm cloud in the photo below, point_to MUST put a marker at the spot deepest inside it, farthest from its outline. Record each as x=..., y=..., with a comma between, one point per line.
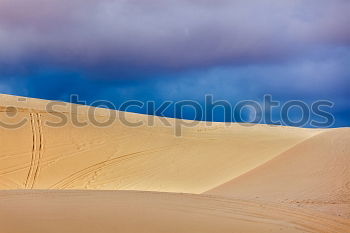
x=162, y=50
x=130, y=36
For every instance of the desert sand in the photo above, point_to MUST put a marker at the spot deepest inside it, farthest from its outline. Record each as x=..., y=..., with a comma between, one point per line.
x=134, y=211
x=314, y=174
x=212, y=178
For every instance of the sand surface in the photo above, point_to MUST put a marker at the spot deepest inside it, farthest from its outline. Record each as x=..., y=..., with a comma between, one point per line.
x=131, y=158
x=133, y=211
x=313, y=174
x=255, y=178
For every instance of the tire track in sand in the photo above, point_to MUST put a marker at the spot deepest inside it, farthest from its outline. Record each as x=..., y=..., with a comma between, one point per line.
x=37, y=150
x=65, y=182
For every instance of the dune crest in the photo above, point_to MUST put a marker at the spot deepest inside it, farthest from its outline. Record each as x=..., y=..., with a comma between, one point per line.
x=314, y=174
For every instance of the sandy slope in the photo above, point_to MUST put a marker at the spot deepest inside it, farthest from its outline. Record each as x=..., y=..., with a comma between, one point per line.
x=133, y=158
x=260, y=178
x=130, y=211
x=313, y=174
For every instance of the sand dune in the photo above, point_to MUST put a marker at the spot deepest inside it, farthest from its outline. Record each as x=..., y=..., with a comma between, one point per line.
x=314, y=174
x=130, y=211
x=121, y=157
x=255, y=178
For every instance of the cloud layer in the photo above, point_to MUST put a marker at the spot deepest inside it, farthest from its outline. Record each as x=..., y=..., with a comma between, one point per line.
x=162, y=50
x=124, y=35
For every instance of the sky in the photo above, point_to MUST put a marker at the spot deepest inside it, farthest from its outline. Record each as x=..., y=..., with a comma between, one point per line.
x=174, y=50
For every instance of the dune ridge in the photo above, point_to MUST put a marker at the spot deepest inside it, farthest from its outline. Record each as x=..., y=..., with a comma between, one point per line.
x=314, y=173
x=120, y=157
